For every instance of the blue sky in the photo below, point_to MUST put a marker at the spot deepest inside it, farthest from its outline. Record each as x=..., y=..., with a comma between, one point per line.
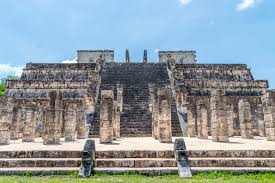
x=221, y=31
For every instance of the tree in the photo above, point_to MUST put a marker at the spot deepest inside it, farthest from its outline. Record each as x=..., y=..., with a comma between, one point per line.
x=3, y=83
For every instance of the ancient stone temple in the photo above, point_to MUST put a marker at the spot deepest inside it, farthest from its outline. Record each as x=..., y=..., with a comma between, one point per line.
x=98, y=97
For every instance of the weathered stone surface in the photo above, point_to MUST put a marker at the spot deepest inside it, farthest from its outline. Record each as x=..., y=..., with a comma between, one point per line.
x=88, y=158
x=269, y=117
x=106, y=114
x=30, y=122
x=182, y=159
x=52, y=133
x=164, y=116
x=219, y=125
x=231, y=116
x=245, y=119
x=70, y=120
x=81, y=129
x=202, y=121
x=6, y=109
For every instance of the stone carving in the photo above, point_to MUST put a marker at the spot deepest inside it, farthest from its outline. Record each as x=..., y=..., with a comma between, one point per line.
x=30, y=122
x=202, y=122
x=106, y=116
x=218, y=117
x=145, y=58
x=245, y=119
x=88, y=158
x=182, y=158
x=127, y=56
x=269, y=117
x=52, y=133
x=6, y=109
x=164, y=116
x=70, y=120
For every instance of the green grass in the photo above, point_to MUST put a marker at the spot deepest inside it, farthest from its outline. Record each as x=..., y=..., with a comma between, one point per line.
x=215, y=177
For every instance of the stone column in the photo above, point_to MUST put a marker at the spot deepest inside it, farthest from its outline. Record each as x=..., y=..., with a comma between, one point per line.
x=52, y=133
x=219, y=125
x=30, y=122
x=40, y=121
x=155, y=112
x=230, y=120
x=116, y=120
x=81, y=129
x=245, y=119
x=191, y=123
x=120, y=96
x=70, y=121
x=260, y=119
x=151, y=96
x=269, y=114
x=164, y=116
x=202, y=120
x=6, y=109
x=181, y=103
x=16, y=120
x=89, y=114
x=106, y=110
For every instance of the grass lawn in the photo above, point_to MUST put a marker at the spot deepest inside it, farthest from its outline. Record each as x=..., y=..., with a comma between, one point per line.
x=203, y=177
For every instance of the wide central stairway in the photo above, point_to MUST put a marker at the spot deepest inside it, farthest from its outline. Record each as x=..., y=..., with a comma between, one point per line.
x=136, y=119
x=136, y=161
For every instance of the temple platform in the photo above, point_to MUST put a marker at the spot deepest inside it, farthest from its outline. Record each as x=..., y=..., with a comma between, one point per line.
x=143, y=143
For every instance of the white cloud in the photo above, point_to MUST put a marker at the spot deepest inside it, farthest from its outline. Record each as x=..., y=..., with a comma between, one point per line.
x=69, y=61
x=185, y=2
x=156, y=50
x=246, y=4
x=8, y=70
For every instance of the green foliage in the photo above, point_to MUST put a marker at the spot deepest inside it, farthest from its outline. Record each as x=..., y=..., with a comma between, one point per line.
x=3, y=83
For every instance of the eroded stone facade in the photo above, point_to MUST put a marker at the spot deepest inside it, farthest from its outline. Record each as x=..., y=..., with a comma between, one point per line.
x=56, y=101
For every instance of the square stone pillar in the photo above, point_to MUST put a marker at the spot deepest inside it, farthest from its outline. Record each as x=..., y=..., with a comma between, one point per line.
x=219, y=125
x=155, y=114
x=39, y=127
x=116, y=120
x=151, y=96
x=260, y=119
x=6, y=110
x=230, y=120
x=89, y=114
x=245, y=119
x=191, y=120
x=30, y=121
x=202, y=120
x=120, y=96
x=81, y=128
x=182, y=103
x=52, y=133
x=16, y=120
x=106, y=114
x=164, y=116
x=268, y=100
x=70, y=120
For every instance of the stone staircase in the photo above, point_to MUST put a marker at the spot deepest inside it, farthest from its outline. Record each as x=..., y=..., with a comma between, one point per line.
x=136, y=161
x=136, y=119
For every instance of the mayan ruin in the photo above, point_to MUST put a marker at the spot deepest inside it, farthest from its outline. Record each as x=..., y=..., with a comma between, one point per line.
x=100, y=98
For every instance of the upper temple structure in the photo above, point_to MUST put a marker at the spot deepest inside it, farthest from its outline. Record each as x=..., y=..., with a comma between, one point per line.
x=98, y=97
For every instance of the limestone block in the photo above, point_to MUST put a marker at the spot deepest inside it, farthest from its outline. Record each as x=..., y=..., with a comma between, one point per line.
x=30, y=122
x=70, y=122
x=52, y=132
x=191, y=124
x=230, y=120
x=81, y=129
x=164, y=116
x=116, y=120
x=88, y=158
x=155, y=111
x=106, y=114
x=202, y=122
x=219, y=127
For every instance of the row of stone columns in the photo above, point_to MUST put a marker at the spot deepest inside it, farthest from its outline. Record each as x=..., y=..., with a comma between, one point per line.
x=31, y=119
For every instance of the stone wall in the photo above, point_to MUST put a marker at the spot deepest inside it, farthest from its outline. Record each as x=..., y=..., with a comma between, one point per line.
x=95, y=56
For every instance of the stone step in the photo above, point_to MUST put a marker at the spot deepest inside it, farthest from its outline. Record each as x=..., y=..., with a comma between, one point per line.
x=40, y=154
x=40, y=162
x=135, y=154
x=232, y=162
x=231, y=154
x=39, y=170
x=135, y=162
